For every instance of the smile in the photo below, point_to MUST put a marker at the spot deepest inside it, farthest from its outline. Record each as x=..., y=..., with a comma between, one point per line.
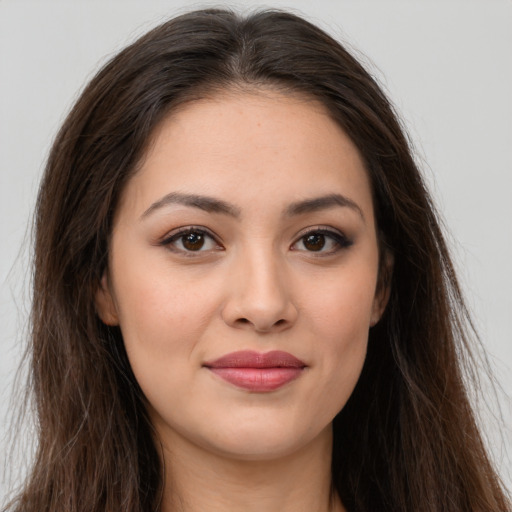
x=257, y=372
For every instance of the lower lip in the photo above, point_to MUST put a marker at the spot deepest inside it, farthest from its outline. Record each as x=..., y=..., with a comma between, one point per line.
x=258, y=380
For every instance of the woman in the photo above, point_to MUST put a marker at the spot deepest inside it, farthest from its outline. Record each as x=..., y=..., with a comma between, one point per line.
x=242, y=296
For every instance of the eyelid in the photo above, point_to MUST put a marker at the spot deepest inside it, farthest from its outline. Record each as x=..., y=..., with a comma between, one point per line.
x=339, y=237
x=335, y=234
x=175, y=234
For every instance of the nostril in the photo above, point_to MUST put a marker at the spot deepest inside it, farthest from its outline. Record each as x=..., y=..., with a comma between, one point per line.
x=244, y=321
x=280, y=322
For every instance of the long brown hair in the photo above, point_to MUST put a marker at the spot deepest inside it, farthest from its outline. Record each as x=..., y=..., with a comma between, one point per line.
x=407, y=438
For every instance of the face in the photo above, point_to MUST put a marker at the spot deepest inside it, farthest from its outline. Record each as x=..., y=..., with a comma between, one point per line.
x=243, y=274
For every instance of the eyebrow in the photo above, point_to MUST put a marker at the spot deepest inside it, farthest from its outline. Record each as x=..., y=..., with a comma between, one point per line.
x=208, y=204
x=322, y=203
x=213, y=205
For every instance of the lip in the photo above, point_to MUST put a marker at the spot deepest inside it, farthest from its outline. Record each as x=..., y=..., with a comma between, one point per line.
x=255, y=371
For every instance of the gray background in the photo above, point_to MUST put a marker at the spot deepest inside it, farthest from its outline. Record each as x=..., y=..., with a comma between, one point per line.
x=447, y=66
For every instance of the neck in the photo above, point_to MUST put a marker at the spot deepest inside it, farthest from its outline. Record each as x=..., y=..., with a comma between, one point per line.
x=198, y=480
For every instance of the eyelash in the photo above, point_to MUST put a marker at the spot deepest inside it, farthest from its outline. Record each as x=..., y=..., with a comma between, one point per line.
x=175, y=236
x=340, y=240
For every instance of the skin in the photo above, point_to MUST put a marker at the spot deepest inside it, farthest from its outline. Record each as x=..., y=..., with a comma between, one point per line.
x=256, y=284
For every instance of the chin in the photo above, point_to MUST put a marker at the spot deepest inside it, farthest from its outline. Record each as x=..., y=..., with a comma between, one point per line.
x=265, y=441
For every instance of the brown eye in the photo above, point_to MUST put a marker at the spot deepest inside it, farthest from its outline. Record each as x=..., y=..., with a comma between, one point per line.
x=193, y=241
x=323, y=241
x=314, y=242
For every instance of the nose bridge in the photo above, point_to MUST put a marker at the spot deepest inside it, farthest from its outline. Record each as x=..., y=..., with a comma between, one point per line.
x=260, y=290
x=263, y=273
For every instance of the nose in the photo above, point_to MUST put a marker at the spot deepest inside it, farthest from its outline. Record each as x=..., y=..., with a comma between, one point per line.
x=259, y=296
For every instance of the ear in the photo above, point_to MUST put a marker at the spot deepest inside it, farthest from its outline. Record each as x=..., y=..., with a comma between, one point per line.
x=383, y=290
x=105, y=305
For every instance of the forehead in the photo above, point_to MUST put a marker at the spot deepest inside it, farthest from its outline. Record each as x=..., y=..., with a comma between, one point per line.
x=262, y=148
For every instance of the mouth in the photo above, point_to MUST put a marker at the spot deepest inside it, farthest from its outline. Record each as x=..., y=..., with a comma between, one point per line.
x=255, y=371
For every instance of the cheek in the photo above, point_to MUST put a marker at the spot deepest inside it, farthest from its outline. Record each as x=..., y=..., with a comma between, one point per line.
x=343, y=305
x=162, y=316
x=341, y=321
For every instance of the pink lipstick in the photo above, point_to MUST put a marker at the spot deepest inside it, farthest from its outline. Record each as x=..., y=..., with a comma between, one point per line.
x=255, y=371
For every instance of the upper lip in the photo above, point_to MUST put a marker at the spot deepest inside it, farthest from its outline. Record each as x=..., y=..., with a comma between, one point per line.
x=252, y=359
